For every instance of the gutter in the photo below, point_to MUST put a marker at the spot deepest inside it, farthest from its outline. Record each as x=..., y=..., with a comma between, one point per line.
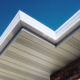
x=24, y=21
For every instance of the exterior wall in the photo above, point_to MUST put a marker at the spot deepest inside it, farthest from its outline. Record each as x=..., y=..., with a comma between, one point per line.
x=70, y=72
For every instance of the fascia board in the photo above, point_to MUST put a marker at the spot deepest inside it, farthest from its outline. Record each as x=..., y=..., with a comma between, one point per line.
x=10, y=31
x=23, y=20
x=68, y=26
x=46, y=32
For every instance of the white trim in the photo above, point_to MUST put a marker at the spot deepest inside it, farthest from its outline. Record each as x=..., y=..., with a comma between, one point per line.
x=22, y=19
x=10, y=28
x=69, y=25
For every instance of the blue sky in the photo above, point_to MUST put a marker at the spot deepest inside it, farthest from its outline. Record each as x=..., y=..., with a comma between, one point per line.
x=52, y=13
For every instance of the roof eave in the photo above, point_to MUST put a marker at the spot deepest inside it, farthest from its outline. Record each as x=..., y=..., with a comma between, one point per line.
x=22, y=20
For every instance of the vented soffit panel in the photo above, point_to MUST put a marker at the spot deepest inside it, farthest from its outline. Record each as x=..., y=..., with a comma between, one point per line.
x=22, y=20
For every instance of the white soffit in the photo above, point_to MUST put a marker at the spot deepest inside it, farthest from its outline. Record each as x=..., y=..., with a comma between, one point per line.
x=30, y=57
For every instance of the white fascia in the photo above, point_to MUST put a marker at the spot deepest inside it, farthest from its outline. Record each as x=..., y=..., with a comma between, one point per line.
x=22, y=19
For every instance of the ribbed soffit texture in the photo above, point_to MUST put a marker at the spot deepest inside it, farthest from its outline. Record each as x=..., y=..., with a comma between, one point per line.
x=32, y=51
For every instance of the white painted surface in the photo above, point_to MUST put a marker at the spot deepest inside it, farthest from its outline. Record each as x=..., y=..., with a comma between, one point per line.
x=22, y=19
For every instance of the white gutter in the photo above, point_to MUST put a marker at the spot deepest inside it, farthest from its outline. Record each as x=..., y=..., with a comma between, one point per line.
x=22, y=19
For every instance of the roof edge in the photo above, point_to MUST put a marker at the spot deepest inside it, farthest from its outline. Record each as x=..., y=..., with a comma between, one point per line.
x=22, y=19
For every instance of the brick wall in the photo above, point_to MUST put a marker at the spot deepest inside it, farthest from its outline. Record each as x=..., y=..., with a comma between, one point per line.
x=70, y=72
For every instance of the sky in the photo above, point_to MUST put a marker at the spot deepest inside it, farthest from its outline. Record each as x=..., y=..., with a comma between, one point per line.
x=52, y=13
